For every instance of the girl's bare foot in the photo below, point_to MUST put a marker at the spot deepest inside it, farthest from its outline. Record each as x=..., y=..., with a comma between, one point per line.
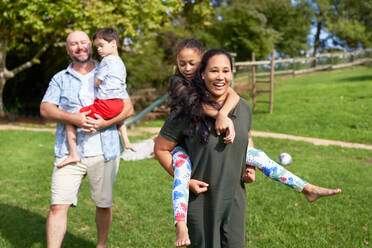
x=182, y=234
x=313, y=192
x=69, y=160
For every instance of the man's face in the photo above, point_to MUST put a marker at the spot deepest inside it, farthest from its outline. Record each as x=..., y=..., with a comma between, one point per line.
x=79, y=47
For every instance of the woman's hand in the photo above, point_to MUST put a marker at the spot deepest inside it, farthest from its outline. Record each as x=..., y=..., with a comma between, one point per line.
x=197, y=186
x=249, y=174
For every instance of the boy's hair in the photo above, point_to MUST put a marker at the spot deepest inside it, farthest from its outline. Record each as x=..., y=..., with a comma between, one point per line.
x=108, y=34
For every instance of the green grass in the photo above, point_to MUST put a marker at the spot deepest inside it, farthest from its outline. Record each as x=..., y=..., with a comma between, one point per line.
x=332, y=105
x=276, y=216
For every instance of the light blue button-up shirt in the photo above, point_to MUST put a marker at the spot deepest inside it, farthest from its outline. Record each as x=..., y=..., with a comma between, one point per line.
x=63, y=91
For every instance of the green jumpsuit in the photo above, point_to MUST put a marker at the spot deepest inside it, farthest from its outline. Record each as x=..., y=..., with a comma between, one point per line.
x=216, y=218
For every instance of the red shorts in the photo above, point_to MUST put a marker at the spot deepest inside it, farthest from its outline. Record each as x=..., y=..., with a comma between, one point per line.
x=107, y=109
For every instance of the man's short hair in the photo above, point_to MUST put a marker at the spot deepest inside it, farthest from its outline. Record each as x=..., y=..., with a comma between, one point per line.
x=108, y=34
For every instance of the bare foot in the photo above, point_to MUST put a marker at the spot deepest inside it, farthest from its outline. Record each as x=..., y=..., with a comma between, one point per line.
x=313, y=193
x=182, y=234
x=249, y=174
x=68, y=160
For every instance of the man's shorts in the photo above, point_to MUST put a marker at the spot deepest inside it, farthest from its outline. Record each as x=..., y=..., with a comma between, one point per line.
x=66, y=181
x=107, y=109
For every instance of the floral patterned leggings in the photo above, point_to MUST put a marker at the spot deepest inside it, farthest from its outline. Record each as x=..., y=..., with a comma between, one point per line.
x=255, y=157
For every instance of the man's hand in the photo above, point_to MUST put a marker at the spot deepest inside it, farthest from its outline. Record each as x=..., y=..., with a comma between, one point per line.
x=95, y=124
x=81, y=120
x=198, y=187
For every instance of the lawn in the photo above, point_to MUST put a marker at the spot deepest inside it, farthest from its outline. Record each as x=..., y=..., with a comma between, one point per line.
x=332, y=105
x=276, y=216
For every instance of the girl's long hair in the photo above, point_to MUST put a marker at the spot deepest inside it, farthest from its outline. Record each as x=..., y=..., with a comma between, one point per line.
x=188, y=101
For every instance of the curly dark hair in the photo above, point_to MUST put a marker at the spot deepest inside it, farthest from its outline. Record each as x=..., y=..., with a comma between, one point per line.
x=187, y=98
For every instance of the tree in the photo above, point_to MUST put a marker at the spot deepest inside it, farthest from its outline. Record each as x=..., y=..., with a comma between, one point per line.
x=30, y=27
x=291, y=20
x=242, y=29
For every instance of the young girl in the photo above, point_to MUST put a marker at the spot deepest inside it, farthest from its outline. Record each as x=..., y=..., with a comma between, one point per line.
x=189, y=54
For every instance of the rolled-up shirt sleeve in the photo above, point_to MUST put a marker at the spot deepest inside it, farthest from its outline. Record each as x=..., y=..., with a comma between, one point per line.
x=53, y=93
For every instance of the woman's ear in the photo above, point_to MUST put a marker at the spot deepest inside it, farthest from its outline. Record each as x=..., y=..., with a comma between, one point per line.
x=202, y=75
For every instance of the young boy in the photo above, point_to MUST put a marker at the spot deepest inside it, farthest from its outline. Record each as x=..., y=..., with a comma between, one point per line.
x=110, y=84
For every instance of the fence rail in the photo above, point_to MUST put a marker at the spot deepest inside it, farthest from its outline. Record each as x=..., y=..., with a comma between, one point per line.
x=258, y=70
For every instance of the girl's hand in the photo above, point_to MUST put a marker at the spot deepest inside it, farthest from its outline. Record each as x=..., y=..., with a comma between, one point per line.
x=197, y=186
x=230, y=133
x=222, y=123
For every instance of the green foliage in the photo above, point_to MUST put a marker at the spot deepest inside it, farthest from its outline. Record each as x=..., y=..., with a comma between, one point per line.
x=351, y=22
x=242, y=30
x=292, y=22
x=145, y=64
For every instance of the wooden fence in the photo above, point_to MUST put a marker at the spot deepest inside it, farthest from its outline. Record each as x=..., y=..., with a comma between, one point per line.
x=258, y=71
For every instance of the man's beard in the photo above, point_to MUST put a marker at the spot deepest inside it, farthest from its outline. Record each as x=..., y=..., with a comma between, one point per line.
x=79, y=60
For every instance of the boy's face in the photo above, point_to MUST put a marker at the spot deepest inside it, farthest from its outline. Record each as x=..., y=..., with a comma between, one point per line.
x=104, y=47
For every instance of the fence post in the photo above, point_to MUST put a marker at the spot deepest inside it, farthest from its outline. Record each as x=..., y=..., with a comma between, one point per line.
x=253, y=67
x=294, y=67
x=272, y=81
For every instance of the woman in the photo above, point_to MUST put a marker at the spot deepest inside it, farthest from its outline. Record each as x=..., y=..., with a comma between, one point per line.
x=216, y=217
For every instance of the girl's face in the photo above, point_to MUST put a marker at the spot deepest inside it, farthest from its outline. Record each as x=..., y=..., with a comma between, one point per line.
x=188, y=61
x=217, y=77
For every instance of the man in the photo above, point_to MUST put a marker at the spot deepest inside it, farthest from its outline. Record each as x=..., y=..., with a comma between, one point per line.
x=98, y=142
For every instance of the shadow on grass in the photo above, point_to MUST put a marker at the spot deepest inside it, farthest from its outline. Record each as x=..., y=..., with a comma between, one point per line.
x=22, y=228
x=356, y=78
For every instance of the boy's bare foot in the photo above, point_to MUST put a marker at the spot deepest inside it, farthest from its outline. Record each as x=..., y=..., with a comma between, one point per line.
x=182, y=234
x=313, y=192
x=68, y=160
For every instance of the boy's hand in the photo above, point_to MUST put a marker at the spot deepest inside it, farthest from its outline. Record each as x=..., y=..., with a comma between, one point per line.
x=197, y=186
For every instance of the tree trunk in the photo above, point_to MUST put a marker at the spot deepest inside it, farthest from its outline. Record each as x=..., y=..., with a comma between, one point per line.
x=3, y=44
x=2, y=84
x=5, y=74
x=317, y=37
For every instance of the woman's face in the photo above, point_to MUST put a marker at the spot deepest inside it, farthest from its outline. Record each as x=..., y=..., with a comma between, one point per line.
x=188, y=61
x=217, y=76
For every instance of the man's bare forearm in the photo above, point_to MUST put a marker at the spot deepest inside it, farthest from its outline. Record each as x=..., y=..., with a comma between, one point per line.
x=127, y=111
x=52, y=112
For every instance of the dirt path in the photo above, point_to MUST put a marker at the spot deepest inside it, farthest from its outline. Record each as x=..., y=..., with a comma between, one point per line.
x=155, y=130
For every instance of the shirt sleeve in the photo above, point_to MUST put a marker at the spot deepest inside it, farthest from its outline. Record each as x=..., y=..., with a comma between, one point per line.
x=173, y=130
x=53, y=93
x=125, y=94
x=102, y=69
